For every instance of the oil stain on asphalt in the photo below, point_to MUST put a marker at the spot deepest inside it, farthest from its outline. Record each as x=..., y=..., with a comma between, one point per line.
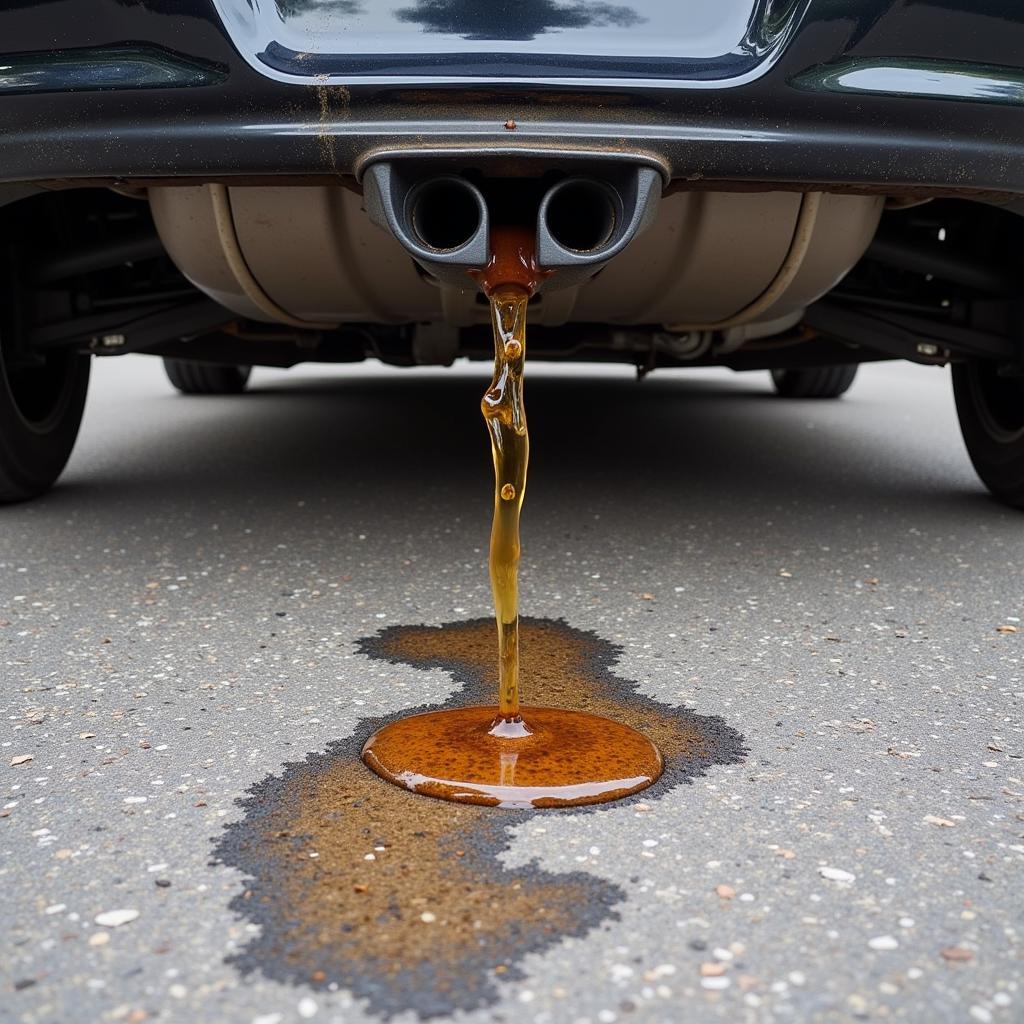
x=401, y=899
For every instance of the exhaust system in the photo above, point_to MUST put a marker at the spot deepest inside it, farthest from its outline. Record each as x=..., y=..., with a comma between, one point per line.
x=443, y=221
x=584, y=221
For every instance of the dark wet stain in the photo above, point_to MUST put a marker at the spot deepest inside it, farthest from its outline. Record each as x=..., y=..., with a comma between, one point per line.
x=405, y=902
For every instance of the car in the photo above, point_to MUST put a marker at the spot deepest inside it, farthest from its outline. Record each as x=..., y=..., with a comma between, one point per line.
x=793, y=186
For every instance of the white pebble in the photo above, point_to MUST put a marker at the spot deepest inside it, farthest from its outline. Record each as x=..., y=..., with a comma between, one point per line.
x=979, y=1013
x=837, y=875
x=427, y=917
x=115, y=918
x=714, y=983
x=268, y=1018
x=55, y=908
x=307, y=1007
x=883, y=942
x=906, y=922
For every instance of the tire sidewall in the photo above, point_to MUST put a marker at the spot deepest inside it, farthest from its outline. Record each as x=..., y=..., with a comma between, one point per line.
x=996, y=453
x=33, y=453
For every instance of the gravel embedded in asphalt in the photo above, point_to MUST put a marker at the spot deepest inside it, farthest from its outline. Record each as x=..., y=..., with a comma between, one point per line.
x=179, y=620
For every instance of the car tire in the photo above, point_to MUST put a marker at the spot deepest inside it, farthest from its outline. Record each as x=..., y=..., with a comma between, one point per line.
x=991, y=413
x=41, y=410
x=817, y=382
x=195, y=378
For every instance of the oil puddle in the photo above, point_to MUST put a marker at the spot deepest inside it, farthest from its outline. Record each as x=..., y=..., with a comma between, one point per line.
x=361, y=885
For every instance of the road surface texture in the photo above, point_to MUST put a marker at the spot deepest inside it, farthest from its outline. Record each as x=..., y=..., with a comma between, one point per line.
x=191, y=647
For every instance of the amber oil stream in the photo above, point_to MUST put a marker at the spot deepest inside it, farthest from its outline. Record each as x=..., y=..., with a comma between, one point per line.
x=537, y=756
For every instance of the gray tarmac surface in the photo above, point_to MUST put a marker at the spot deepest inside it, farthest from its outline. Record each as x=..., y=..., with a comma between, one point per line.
x=179, y=619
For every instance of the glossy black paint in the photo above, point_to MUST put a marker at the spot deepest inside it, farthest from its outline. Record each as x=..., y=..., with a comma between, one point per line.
x=790, y=117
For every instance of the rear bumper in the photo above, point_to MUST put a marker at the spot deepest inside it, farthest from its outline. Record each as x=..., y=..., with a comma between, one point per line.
x=916, y=98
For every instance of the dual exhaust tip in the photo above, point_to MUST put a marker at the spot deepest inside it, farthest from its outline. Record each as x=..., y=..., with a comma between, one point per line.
x=444, y=222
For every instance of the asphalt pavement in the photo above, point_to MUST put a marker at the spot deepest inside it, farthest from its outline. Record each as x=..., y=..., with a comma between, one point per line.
x=191, y=641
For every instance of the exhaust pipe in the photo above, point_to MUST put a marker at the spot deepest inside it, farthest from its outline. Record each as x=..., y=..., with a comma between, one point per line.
x=443, y=220
x=584, y=221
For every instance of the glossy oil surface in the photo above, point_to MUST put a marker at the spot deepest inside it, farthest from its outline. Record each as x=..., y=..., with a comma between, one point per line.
x=568, y=758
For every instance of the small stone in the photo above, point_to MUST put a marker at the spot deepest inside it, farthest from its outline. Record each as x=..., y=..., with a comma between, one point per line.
x=427, y=917
x=956, y=954
x=716, y=984
x=725, y=892
x=980, y=1014
x=307, y=1007
x=712, y=969
x=932, y=819
x=1006, y=629
x=87, y=735
x=99, y=939
x=163, y=883
x=837, y=875
x=20, y=759
x=115, y=918
x=883, y=942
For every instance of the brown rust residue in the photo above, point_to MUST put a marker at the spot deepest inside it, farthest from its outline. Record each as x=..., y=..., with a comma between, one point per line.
x=513, y=261
x=364, y=886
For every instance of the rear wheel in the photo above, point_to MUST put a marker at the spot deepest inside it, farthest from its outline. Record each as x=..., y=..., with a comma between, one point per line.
x=816, y=382
x=41, y=407
x=195, y=378
x=991, y=412
x=42, y=396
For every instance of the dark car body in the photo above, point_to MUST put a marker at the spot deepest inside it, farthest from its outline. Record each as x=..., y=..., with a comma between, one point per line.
x=794, y=185
x=922, y=95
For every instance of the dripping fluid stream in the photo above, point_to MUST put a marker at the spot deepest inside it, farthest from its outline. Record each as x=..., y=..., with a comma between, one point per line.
x=505, y=416
x=512, y=755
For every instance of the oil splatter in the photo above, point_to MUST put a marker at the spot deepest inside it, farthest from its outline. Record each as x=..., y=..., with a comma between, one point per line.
x=402, y=899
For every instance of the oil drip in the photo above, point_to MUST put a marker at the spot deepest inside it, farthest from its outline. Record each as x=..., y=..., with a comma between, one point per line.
x=520, y=757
